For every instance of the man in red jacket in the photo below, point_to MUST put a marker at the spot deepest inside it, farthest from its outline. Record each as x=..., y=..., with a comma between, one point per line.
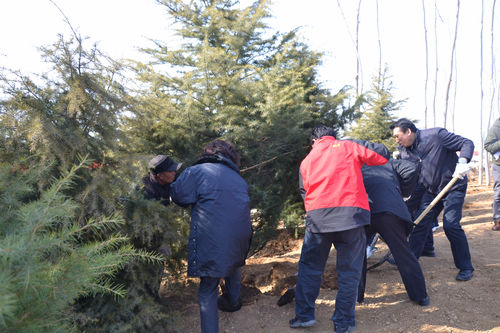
x=337, y=210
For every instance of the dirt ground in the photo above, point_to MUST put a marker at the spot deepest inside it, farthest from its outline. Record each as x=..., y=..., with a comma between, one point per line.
x=472, y=306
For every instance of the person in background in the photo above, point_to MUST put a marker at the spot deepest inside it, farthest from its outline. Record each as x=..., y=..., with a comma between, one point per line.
x=221, y=232
x=162, y=171
x=436, y=149
x=492, y=145
x=337, y=210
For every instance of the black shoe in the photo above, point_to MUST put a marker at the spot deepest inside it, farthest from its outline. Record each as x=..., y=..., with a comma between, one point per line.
x=340, y=329
x=431, y=254
x=287, y=297
x=465, y=275
x=424, y=302
x=296, y=323
x=224, y=305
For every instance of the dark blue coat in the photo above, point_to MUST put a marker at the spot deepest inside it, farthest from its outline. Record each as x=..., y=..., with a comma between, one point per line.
x=221, y=231
x=437, y=149
x=387, y=184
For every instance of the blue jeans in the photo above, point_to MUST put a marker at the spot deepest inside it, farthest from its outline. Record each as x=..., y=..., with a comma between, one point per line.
x=351, y=247
x=452, y=204
x=207, y=298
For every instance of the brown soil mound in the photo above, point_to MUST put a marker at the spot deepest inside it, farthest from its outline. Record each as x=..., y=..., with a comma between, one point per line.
x=282, y=244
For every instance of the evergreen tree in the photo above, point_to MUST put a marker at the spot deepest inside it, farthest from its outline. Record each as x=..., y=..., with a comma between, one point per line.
x=45, y=262
x=232, y=79
x=153, y=227
x=75, y=110
x=70, y=111
x=374, y=123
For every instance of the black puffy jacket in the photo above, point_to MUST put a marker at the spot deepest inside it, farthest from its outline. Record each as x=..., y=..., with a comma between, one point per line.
x=387, y=184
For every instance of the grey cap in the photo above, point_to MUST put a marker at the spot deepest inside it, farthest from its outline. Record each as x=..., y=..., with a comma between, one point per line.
x=162, y=163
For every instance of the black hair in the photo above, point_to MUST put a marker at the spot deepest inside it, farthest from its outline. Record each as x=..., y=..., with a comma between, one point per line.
x=321, y=131
x=222, y=147
x=404, y=124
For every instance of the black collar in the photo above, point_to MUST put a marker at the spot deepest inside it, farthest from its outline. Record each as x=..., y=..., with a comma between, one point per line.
x=218, y=158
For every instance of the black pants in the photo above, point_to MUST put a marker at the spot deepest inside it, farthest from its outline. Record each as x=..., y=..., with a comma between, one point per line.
x=394, y=231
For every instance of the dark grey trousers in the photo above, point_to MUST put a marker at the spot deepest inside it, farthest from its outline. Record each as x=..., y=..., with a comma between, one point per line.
x=496, y=201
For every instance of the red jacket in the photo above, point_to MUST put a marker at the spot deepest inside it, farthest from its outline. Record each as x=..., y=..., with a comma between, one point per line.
x=332, y=184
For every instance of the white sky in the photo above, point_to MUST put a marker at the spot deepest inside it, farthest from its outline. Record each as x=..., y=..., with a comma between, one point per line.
x=120, y=26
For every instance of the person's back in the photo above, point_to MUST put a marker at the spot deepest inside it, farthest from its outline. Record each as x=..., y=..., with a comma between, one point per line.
x=221, y=231
x=332, y=184
x=387, y=184
x=220, y=214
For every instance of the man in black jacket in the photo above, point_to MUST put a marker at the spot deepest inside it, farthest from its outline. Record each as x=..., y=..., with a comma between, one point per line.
x=162, y=171
x=436, y=149
x=386, y=185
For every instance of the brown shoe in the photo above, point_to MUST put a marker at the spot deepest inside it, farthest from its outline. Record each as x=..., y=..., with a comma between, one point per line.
x=496, y=227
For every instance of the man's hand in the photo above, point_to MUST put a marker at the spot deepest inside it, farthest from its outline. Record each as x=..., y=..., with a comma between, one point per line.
x=462, y=168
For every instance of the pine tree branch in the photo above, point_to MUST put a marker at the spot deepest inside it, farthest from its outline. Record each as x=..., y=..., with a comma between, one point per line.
x=62, y=183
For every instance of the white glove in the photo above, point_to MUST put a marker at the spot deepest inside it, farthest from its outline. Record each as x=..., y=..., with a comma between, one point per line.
x=462, y=169
x=396, y=154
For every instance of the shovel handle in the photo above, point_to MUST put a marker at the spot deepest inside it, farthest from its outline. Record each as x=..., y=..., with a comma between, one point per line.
x=436, y=199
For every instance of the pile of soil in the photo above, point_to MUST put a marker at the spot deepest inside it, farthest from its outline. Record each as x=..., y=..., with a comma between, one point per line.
x=472, y=306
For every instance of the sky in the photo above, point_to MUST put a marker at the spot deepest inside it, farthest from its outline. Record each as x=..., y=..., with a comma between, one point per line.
x=120, y=27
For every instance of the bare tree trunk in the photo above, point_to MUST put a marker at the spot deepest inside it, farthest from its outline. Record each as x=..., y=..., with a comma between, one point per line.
x=379, y=47
x=436, y=14
x=452, y=64
x=355, y=43
x=358, y=62
x=454, y=98
x=493, y=77
x=426, y=61
x=481, y=149
x=493, y=83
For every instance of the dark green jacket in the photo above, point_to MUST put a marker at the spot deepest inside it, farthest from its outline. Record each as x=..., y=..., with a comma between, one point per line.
x=492, y=142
